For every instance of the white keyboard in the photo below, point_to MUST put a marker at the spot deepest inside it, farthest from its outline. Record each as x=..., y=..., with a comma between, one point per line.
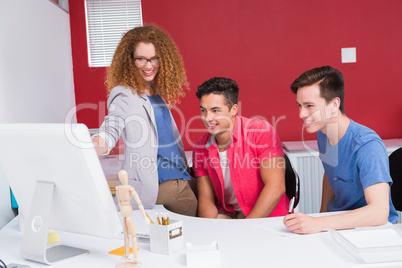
x=141, y=233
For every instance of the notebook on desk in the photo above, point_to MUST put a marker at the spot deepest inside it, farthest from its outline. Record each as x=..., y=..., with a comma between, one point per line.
x=372, y=244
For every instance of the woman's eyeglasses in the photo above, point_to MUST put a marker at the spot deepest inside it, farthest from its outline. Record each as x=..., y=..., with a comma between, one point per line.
x=141, y=62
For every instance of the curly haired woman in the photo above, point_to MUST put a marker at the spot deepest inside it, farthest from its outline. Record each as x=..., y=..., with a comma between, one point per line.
x=146, y=68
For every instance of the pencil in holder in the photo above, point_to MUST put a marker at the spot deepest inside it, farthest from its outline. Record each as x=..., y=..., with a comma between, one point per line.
x=166, y=239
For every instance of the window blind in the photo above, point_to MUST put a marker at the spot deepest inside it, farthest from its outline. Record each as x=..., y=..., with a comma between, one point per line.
x=107, y=21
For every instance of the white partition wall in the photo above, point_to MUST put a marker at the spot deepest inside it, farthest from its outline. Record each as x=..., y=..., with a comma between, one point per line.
x=36, y=73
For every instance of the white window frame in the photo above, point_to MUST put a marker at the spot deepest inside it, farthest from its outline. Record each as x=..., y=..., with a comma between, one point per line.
x=107, y=21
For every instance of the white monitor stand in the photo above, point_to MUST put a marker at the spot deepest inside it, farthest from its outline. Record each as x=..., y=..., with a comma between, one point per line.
x=34, y=242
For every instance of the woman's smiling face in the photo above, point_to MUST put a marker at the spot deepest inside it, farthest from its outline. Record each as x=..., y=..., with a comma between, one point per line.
x=146, y=52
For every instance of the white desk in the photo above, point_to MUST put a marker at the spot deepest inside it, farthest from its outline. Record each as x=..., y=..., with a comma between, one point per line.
x=242, y=243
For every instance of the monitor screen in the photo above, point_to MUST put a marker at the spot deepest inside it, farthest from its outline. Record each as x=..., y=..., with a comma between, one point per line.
x=58, y=182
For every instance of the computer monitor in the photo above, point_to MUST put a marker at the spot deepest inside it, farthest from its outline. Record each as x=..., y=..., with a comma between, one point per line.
x=58, y=183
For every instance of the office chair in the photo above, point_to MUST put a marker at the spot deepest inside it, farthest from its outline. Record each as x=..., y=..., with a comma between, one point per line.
x=292, y=182
x=395, y=168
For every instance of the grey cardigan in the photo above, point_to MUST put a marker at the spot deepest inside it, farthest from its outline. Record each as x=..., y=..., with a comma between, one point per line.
x=132, y=116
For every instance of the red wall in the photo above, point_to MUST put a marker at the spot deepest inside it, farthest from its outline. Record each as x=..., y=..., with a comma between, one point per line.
x=264, y=45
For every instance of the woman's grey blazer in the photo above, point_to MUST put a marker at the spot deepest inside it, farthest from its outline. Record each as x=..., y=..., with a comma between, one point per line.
x=132, y=116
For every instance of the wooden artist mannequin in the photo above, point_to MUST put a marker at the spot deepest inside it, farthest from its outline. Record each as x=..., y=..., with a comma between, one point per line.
x=124, y=193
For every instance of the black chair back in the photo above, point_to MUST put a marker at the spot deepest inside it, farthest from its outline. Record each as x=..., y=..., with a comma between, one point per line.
x=292, y=182
x=395, y=168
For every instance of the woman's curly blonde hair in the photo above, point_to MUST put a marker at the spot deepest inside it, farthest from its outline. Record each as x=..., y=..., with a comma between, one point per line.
x=171, y=77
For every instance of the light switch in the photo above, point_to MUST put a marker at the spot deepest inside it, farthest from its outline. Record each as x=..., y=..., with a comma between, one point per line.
x=348, y=54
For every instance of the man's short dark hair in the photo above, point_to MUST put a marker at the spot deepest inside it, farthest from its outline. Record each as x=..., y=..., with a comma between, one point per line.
x=329, y=80
x=220, y=86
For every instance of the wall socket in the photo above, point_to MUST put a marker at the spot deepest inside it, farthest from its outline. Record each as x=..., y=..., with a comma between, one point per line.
x=348, y=54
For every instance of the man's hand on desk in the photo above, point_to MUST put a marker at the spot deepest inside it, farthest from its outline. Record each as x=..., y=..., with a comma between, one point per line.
x=300, y=223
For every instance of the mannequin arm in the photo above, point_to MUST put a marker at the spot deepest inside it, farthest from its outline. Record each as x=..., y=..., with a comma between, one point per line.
x=140, y=206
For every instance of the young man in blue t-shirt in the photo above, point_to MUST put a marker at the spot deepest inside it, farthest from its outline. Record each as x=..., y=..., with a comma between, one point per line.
x=354, y=157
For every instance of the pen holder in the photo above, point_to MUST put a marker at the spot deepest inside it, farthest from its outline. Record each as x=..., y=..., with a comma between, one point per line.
x=166, y=239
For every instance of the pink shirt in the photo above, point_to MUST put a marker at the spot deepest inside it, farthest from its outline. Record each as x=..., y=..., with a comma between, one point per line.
x=253, y=141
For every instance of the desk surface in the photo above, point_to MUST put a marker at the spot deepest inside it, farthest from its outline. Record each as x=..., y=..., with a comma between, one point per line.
x=242, y=243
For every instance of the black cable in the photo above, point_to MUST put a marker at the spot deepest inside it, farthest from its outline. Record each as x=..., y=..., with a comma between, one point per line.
x=5, y=266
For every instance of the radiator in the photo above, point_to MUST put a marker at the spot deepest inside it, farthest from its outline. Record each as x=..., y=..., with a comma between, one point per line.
x=310, y=170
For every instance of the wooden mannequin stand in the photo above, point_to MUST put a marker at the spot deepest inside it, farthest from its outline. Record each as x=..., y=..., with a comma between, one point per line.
x=124, y=193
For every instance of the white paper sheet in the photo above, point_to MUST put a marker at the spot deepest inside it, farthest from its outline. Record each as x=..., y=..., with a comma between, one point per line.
x=373, y=238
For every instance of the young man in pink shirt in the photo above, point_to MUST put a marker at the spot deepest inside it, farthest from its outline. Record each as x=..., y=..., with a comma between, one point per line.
x=239, y=163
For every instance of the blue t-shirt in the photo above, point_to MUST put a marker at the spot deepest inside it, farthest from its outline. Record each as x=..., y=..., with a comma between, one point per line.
x=356, y=162
x=170, y=163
